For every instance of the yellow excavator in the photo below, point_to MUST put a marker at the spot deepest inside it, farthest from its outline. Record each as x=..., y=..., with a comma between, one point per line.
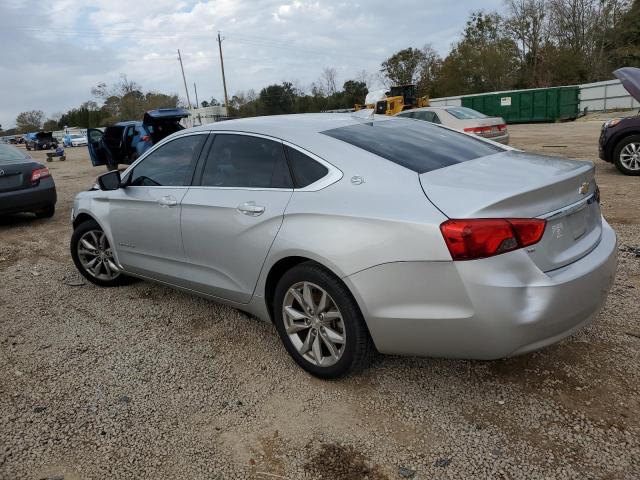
x=402, y=97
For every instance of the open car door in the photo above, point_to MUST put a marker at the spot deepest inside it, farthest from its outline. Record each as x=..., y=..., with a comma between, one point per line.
x=98, y=151
x=163, y=122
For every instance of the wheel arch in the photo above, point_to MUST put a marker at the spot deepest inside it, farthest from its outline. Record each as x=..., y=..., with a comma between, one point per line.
x=616, y=140
x=283, y=265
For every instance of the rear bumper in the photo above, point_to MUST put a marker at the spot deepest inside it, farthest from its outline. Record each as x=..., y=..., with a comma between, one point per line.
x=30, y=199
x=503, y=139
x=483, y=309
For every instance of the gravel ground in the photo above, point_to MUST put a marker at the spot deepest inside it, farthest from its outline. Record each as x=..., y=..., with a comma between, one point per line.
x=145, y=382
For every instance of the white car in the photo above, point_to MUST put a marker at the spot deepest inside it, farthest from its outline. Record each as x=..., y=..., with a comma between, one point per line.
x=79, y=141
x=463, y=119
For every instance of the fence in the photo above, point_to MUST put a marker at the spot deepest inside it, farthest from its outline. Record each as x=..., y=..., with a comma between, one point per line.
x=595, y=97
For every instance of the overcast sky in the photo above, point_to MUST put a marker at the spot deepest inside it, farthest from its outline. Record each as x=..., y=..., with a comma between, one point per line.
x=53, y=52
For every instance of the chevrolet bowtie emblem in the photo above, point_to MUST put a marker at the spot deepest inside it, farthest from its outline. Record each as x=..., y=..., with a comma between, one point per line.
x=584, y=188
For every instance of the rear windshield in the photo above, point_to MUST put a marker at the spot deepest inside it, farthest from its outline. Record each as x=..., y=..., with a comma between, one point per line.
x=464, y=113
x=418, y=146
x=9, y=154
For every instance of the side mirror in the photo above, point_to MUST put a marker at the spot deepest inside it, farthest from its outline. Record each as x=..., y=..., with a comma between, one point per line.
x=110, y=180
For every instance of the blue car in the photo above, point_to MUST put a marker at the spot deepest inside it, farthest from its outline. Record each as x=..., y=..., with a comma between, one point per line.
x=123, y=142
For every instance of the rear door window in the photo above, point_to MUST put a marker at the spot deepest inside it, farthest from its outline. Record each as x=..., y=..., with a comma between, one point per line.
x=244, y=161
x=418, y=146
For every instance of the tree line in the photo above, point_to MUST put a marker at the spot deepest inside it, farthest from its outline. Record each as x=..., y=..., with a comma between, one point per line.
x=533, y=43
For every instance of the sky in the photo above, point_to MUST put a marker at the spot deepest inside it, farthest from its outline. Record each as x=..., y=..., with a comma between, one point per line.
x=52, y=53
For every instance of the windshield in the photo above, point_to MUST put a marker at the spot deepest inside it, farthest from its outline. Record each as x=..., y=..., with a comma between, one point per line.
x=77, y=136
x=464, y=113
x=418, y=146
x=9, y=154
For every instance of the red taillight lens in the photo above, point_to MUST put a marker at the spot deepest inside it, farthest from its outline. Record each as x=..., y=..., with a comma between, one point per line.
x=486, y=237
x=145, y=138
x=38, y=173
x=502, y=127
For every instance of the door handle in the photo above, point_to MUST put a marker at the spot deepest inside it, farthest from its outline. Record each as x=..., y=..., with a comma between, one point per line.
x=168, y=201
x=251, y=209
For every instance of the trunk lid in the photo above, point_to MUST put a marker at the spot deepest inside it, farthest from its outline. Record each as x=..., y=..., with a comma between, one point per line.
x=164, y=114
x=516, y=184
x=16, y=176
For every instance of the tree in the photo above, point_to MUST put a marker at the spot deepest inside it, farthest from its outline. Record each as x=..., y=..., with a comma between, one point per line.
x=328, y=80
x=429, y=71
x=354, y=92
x=403, y=67
x=526, y=26
x=50, y=125
x=29, y=121
x=277, y=99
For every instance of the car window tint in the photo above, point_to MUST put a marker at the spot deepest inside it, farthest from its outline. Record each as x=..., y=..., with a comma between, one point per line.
x=305, y=169
x=170, y=165
x=435, y=118
x=9, y=154
x=245, y=161
x=418, y=146
x=464, y=113
x=424, y=115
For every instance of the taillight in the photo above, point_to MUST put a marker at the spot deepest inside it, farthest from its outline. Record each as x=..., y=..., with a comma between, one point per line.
x=486, y=237
x=502, y=127
x=145, y=138
x=38, y=173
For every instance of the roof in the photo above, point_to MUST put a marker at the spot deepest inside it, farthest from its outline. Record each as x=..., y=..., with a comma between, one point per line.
x=283, y=126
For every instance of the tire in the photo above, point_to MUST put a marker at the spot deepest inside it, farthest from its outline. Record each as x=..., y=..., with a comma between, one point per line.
x=624, y=153
x=47, y=212
x=357, y=347
x=102, y=278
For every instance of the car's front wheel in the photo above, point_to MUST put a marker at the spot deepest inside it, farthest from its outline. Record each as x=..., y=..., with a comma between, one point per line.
x=627, y=155
x=93, y=256
x=320, y=323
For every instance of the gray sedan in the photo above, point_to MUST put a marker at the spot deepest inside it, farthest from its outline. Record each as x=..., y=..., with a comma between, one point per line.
x=463, y=119
x=354, y=235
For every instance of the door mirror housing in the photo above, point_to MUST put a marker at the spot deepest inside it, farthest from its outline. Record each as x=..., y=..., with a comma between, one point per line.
x=110, y=181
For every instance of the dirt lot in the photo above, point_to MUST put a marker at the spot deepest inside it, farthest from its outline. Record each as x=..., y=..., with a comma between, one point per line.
x=145, y=382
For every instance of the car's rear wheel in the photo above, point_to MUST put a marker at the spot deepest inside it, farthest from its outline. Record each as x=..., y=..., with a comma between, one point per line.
x=46, y=212
x=627, y=155
x=320, y=323
x=93, y=257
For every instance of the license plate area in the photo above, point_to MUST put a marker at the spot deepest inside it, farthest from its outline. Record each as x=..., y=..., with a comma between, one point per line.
x=8, y=182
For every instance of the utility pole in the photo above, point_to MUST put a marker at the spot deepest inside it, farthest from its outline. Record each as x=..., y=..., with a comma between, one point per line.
x=195, y=89
x=224, y=81
x=184, y=79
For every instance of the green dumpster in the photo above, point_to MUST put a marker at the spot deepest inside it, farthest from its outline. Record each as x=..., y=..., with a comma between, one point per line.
x=524, y=106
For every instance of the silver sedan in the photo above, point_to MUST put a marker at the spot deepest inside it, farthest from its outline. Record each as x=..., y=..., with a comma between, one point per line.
x=354, y=235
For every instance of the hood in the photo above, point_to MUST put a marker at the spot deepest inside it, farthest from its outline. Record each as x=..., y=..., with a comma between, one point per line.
x=630, y=78
x=165, y=114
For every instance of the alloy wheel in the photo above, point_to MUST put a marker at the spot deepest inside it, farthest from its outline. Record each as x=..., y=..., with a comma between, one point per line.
x=96, y=256
x=630, y=156
x=314, y=324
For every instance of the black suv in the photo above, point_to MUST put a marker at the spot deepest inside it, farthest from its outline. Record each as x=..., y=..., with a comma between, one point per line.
x=620, y=137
